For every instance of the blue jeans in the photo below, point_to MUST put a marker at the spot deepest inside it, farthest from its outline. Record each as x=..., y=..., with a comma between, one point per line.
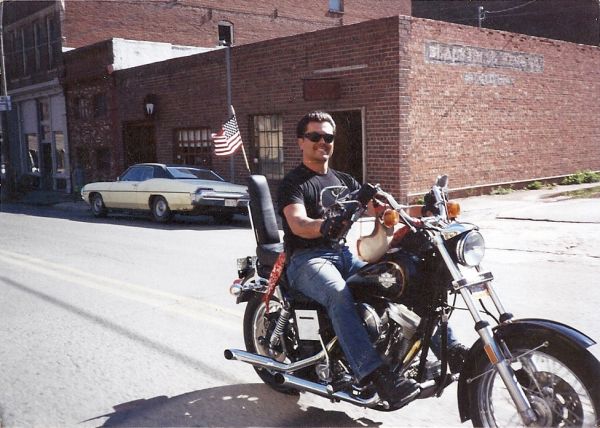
x=320, y=274
x=436, y=341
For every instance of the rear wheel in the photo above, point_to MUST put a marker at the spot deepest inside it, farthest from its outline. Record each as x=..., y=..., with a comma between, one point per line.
x=561, y=385
x=257, y=328
x=160, y=210
x=97, y=205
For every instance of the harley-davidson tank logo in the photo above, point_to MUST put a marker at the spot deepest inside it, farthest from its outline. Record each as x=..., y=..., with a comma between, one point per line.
x=387, y=280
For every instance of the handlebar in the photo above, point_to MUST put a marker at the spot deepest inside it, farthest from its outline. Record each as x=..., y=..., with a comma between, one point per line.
x=355, y=207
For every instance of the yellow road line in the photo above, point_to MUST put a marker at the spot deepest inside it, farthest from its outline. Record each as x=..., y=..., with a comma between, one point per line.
x=160, y=299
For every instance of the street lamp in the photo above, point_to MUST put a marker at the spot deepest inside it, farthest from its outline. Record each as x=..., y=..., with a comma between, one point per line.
x=150, y=105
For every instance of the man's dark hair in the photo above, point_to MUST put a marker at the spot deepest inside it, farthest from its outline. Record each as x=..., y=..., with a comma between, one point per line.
x=313, y=116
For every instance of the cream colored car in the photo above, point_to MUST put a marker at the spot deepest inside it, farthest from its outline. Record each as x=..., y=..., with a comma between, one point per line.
x=168, y=189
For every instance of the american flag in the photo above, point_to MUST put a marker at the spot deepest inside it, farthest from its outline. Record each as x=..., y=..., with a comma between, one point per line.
x=228, y=139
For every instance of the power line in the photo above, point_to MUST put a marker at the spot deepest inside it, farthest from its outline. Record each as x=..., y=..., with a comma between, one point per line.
x=511, y=8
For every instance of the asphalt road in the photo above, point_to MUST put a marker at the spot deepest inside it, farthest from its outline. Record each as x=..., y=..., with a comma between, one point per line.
x=122, y=322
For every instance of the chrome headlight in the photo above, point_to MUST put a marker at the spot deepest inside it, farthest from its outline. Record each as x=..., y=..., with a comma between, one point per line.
x=470, y=249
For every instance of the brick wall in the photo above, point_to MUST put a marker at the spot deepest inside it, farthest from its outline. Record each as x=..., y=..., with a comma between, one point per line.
x=268, y=79
x=531, y=114
x=491, y=124
x=195, y=22
x=91, y=134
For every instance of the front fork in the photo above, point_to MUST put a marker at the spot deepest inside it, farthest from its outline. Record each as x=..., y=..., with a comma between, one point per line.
x=484, y=330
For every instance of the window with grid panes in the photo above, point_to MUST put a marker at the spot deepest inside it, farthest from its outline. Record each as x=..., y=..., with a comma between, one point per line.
x=268, y=145
x=193, y=147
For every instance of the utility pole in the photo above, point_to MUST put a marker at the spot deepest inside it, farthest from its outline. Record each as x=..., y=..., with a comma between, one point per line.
x=480, y=15
x=229, y=106
x=4, y=95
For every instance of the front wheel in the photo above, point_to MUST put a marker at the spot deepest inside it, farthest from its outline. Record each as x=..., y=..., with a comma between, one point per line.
x=97, y=204
x=562, y=386
x=259, y=323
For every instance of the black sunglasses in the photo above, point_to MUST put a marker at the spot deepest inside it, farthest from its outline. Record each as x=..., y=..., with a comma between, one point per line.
x=315, y=137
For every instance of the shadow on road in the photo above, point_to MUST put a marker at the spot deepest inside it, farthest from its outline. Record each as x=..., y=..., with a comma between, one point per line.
x=129, y=219
x=231, y=406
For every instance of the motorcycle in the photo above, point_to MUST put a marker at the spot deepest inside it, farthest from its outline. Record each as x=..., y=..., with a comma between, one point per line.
x=520, y=372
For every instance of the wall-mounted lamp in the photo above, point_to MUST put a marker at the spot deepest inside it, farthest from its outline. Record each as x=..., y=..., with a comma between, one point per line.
x=150, y=105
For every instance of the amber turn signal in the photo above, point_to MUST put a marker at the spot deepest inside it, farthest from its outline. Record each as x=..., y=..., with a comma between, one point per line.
x=391, y=218
x=453, y=209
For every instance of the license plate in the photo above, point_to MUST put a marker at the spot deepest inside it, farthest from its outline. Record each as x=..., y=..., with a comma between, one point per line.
x=246, y=262
x=231, y=202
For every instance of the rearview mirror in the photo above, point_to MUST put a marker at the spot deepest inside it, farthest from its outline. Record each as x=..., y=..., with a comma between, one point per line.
x=442, y=181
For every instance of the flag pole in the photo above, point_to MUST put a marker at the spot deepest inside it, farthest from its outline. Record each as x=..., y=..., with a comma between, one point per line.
x=231, y=112
x=243, y=149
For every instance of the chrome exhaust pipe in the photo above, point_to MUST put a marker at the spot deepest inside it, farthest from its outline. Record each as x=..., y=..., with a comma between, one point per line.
x=270, y=363
x=283, y=377
x=324, y=391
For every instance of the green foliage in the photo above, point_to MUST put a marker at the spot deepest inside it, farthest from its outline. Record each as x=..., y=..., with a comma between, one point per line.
x=536, y=185
x=581, y=177
x=501, y=190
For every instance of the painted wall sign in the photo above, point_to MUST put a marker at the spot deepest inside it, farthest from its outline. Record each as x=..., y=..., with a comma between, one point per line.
x=440, y=53
x=488, y=79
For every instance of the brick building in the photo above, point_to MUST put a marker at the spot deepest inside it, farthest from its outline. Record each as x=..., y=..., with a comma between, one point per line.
x=38, y=33
x=412, y=98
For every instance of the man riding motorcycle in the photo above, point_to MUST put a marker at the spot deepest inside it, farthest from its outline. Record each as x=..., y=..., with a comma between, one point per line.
x=318, y=268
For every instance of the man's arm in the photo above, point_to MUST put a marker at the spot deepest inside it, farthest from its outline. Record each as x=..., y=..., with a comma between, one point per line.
x=302, y=225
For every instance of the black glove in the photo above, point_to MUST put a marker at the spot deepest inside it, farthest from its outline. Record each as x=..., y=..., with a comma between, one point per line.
x=335, y=228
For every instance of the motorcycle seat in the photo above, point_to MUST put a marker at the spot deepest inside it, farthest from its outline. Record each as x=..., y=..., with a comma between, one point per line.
x=266, y=232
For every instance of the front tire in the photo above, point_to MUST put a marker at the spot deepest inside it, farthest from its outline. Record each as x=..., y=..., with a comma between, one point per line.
x=97, y=205
x=256, y=329
x=160, y=210
x=562, y=386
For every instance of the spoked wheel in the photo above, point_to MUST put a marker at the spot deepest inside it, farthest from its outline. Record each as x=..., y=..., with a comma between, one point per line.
x=97, y=205
x=561, y=385
x=160, y=210
x=258, y=326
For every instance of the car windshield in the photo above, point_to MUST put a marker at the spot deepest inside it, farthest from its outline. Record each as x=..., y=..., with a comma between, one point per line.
x=182, y=173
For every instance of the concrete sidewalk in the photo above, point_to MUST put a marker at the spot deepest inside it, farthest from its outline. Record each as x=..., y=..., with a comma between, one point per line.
x=63, y=201
x=537, y=205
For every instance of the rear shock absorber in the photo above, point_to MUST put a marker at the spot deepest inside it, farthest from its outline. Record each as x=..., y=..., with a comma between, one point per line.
x=284, y=317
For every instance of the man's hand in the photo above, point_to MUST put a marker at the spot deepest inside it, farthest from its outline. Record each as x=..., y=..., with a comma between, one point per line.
x=334, y=228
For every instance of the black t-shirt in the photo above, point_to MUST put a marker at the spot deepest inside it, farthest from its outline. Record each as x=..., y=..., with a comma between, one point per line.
x=303, y=186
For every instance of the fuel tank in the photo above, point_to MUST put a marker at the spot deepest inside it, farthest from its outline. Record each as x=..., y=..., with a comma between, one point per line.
x=389, y=278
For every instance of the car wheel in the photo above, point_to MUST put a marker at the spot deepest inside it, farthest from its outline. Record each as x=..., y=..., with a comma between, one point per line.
x=160, y=210
x=97, y=205
x=223, y=218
